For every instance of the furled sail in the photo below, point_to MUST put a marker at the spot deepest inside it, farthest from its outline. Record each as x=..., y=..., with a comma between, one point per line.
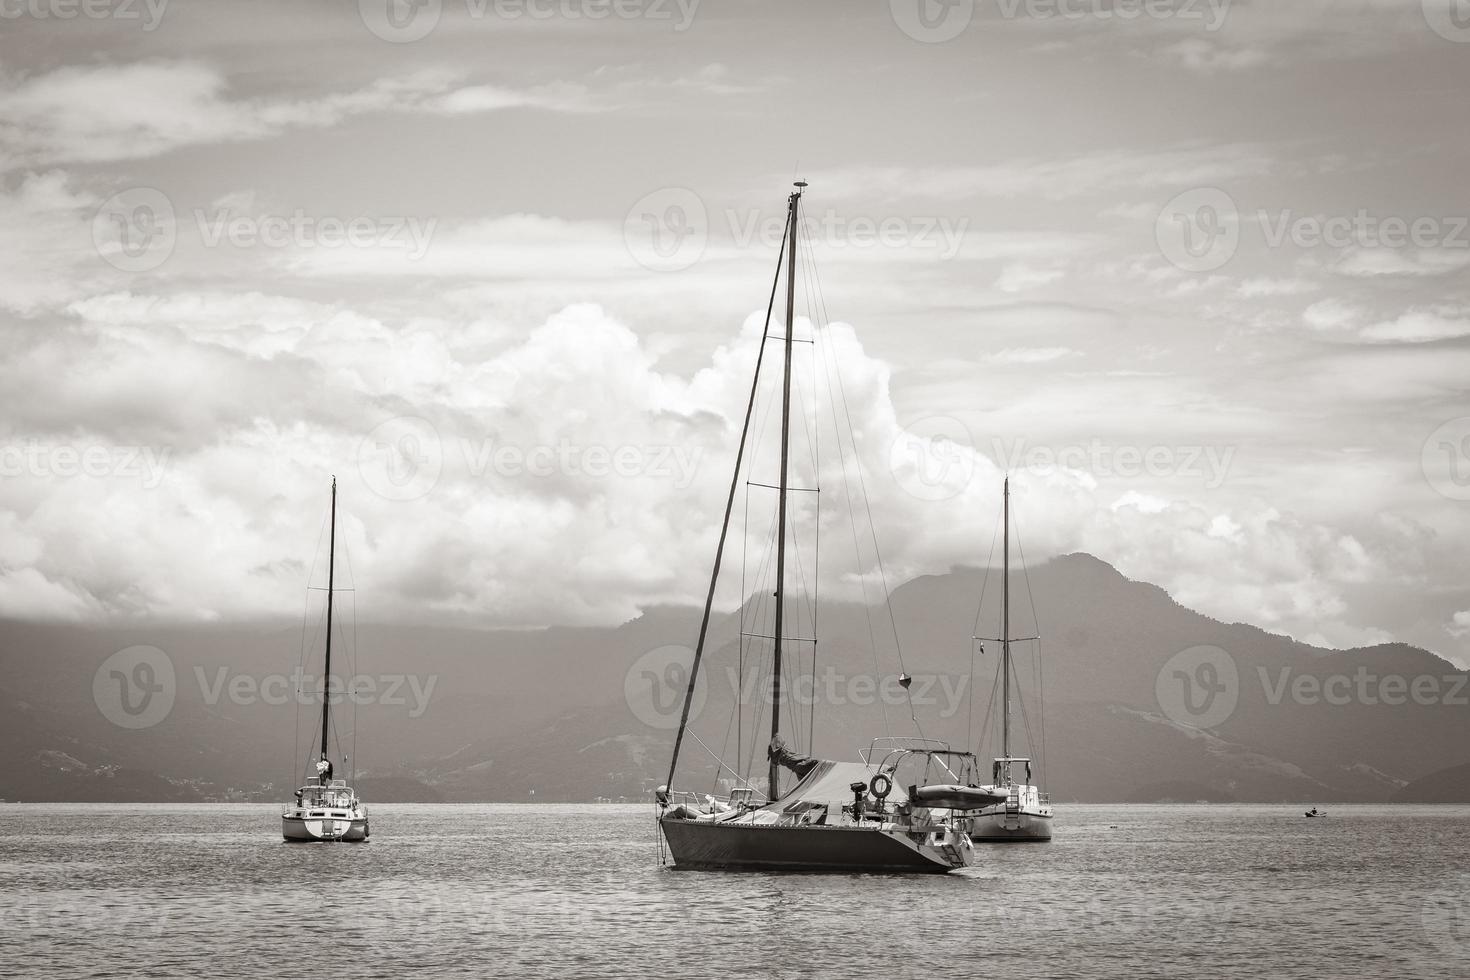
x=781, y=755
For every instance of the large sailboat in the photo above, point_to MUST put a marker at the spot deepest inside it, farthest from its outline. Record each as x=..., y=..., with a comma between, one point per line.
x=1025, y=812
x=326, y=808
x=880, y=813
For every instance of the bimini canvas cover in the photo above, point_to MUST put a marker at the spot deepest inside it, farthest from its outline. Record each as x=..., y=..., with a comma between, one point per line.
x=831, y=782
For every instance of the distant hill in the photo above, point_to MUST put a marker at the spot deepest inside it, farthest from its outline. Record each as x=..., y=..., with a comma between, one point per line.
x=1179, y=791
x=518, y=715
x=1450, y=785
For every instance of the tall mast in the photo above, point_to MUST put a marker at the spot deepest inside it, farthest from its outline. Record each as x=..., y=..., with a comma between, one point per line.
x=1005, y=634
x=331, y=575
x=776, y=699
x=714, y=578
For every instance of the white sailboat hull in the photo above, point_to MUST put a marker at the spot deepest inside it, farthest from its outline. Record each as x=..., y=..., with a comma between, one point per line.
x=305, y=825
x=996, y=825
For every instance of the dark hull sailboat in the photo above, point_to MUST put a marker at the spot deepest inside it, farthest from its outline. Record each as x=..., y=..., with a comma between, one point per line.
x=326, y=809
x=840, y=816
x=830, y=821
x=743, y=847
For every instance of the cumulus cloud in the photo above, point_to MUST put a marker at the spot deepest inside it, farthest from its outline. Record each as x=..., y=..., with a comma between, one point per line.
x=1418, y=326
x=1265, y=287
x=1331, y=314
x=1019, y=277
x=1200, y=55
x=45, y=232
x=1371, y=262
x=575, y=480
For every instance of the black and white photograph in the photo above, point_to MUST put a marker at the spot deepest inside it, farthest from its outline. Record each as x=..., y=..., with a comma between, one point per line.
x=645, y=488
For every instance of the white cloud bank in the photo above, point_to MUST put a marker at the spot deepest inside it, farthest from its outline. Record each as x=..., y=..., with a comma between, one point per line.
x=570, y=479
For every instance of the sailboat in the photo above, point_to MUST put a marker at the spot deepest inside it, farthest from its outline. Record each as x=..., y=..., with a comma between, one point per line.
x=326, y=808
x=1025, y=813
x=876, y=814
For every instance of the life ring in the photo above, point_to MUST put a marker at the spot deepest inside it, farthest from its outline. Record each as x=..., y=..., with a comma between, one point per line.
x=880, y=786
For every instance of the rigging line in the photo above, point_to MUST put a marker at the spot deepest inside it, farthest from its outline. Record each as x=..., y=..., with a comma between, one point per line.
x=753, y=591
x=725, y=744
x=867, y=502
x=301, y=658
x=829, y=367
x=789, y=677
x=752, y=603
x=1025, y=721
x=808, y=587
x=315, y=637
x=970, y=720
x=724, y=529
x=1041, y=697
x=989, y=565
x=757, y=722
x=817, y=532
x=1036, y=623
x=352, y=660
x=990, y=704
x=811, y=424
x=761, y=602
x=741, y=640
x=721, y=762
x=877, y=551
x=757, y=600
x=975, y=630
x=806, y=592
x=814, y=438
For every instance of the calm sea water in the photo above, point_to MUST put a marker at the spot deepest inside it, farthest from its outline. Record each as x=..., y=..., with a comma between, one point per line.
x=570, y=892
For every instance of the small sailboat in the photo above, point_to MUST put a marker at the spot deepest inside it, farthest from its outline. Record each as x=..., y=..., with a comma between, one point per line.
x=1024, y=812
x=326, y=808
x=876, y=814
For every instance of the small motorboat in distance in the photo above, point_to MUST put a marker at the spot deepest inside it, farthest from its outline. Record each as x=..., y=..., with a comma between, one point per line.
x=1314, y=812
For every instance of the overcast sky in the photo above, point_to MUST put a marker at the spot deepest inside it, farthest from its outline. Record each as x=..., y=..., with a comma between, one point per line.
x=498, y=265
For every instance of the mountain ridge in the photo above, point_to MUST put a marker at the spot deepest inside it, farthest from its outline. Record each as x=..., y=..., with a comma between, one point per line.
x=512, y=711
